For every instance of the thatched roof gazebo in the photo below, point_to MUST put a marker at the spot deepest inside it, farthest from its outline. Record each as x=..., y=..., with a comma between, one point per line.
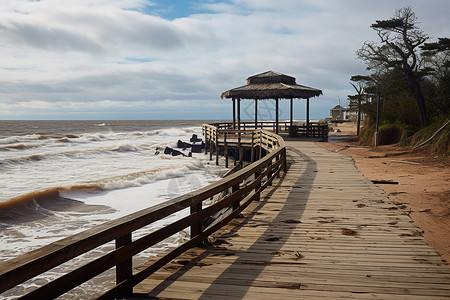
x=270, y=85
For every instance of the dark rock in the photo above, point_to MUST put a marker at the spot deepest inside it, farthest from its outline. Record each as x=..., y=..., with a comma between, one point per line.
x=168, y=150
x=183, y=145
x=197, y=148
x=176, y=153
x=195, y=139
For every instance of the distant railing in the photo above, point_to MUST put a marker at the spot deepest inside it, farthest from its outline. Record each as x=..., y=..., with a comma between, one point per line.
x=237, y=190
x=314, y=130
x=299, y=129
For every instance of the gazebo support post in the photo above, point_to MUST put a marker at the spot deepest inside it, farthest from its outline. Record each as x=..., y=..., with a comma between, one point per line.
x=307, y=116
x=256, y=113
x=238, y=114
x=276, y=115
x=239, y=128
x=291, y=120
x=234, y=113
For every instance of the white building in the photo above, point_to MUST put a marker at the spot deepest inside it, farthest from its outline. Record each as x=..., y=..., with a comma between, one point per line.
x=339, y=113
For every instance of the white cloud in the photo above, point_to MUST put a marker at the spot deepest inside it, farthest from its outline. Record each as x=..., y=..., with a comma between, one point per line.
x=79, y=55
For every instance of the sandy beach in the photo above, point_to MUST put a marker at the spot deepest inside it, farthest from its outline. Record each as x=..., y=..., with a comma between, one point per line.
x=423, y=190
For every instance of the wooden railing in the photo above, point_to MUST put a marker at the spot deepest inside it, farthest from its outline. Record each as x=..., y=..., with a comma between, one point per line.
x=250, y=125
x=314, y=130
x=240, y=189
x=299, y=129
x=258, y=142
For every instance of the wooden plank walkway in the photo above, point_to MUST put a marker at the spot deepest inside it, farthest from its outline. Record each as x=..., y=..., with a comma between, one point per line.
x=322, y=231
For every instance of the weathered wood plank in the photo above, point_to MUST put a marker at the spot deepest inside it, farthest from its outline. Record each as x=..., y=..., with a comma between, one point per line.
x=292, y=245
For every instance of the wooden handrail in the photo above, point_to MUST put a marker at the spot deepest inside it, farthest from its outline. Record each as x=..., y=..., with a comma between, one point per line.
x=215, y=135
x=314, y=129
x=246, y=185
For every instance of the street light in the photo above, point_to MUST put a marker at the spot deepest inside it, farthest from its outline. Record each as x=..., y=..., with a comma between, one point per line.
x=378, y=118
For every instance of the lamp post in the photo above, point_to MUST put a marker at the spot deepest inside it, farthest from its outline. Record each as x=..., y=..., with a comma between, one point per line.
x=378, y=118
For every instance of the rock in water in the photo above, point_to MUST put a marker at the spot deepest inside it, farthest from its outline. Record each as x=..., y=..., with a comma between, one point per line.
x=168, y=150
x=195, y=139
x=197, y=148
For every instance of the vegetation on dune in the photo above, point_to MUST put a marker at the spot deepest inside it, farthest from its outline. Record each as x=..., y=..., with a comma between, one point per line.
x=411, y=82
x=440, y=144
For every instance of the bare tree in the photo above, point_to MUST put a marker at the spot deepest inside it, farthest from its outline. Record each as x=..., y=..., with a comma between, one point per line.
x=400, y=38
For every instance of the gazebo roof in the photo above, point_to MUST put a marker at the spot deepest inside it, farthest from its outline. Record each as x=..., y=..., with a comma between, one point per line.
x=271, y=85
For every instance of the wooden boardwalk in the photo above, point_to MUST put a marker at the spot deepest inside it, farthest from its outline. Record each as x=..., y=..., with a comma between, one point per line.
x=322, y=231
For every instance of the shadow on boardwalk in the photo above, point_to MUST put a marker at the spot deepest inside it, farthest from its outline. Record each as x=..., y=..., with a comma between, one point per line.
x=270, y=242
x=267, y=238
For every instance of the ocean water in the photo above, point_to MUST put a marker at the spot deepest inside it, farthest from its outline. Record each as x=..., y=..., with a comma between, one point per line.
x=58, y=178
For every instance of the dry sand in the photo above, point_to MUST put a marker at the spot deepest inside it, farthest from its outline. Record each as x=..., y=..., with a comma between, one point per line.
x=423, y=188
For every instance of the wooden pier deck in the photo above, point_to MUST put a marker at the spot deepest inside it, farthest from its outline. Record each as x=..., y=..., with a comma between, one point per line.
x=321, y=231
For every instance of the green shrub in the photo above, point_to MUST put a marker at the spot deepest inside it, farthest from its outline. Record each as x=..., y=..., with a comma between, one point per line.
x=406, y=136
x=366, y=135
x=389, y=134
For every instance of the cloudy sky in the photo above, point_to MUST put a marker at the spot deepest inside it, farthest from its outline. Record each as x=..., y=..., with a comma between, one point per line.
x=171, y=59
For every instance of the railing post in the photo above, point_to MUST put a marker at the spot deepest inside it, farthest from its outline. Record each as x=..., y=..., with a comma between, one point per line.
x=205, y=133
x=252, y=157
x=196, y=228
x=210, y=147
x=278, y=158
x=225, y=149
x=240, y=148
x=124, y=270
x=284, y=160
x=207, y=140
x=236, y=203
x=269, y=174
x=258, y=185
x=260, y=144
x=217, y=147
